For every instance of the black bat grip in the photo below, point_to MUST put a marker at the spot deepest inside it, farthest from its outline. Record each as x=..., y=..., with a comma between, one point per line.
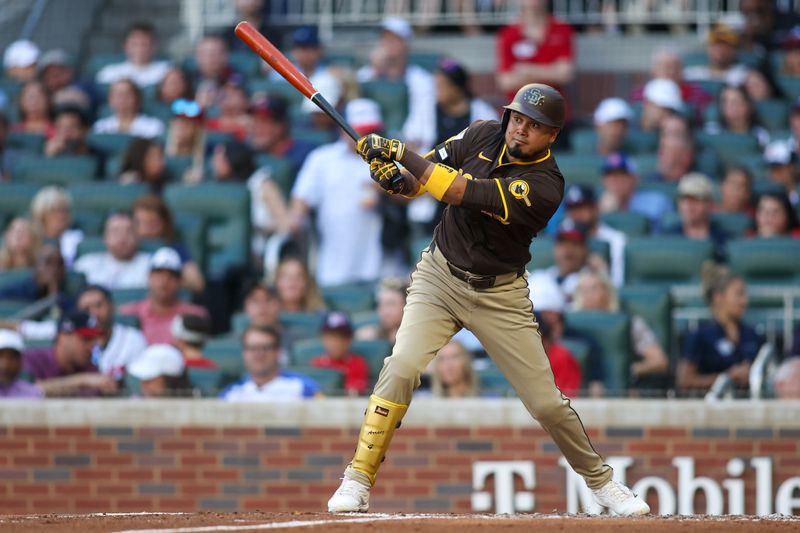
x=329, y=110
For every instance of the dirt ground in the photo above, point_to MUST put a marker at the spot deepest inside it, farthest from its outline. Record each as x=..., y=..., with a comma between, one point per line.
x=391, y=523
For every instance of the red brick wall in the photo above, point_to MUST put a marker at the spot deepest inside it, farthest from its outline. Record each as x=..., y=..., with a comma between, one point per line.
x=93, y=469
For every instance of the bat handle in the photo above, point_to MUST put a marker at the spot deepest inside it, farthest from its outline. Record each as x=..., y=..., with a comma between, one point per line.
x=329, y=110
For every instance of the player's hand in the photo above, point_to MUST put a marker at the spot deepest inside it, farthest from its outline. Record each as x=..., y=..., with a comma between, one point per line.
x=387, y=175
x=374, y=146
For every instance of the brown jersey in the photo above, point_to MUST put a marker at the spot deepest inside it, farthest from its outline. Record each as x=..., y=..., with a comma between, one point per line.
x=504, y=205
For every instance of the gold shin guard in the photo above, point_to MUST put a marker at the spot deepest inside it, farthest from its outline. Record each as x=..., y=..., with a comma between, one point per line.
x=381, y=420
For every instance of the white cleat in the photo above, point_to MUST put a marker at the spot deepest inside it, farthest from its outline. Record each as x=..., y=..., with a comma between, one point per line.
x=620, y=500
x=350, y=497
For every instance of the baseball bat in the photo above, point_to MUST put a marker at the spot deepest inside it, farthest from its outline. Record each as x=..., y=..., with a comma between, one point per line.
x=267, y=51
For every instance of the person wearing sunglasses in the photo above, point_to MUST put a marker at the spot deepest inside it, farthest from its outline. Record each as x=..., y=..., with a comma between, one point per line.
x=187, y=137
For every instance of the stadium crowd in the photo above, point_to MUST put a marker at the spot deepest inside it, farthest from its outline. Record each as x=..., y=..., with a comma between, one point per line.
x=193, y=227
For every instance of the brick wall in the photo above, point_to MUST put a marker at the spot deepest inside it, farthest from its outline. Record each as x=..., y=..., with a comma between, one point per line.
x=134, y=467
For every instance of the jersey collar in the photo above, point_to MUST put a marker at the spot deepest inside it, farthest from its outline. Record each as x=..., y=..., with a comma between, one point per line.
x=503, y=153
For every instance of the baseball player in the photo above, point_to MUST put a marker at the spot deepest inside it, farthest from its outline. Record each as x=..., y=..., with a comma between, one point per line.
x=502, y=185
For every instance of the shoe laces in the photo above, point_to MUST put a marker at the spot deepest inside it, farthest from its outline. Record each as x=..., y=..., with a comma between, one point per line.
x=618, y=491
x=351, y=487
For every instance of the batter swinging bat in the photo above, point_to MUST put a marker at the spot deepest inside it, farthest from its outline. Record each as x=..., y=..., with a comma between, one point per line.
x=267, y=51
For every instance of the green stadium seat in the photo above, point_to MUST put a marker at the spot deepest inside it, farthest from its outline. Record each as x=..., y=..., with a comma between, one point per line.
x=612, y=333
x=96, y=62
x=580, y=168
x=206, y=380
x=351, y=297
x=191, y=230
x=773, y=114
x=91, y=222
x=281, y=172
x=226, y=210
x=492, y=381
x=128, y=320
x=301, y=325
x=176, y=167
x=665, y=259
x=735, y=224
x=583, y=141
x=279, y=87
x=62, y=170
x=109, y=143
x=766, y=260
x=654, y=305
x=315, y=137
x=361, y=319
x=790, y=85
x=729, y=147
x=346, y=59
x=639, y=142
x=89, y=245
x=227, y=353
x=712, y=87
x=11, y=88
x=239, y=321
x=630, y=223
x=245, y=63
x=104, y=197
x=15, y=197
x=579, y=349
x=645, y=164
x=303, y=351
x=9, y=308
x=214, y=138
x=26, y=142
x=374, y=351
x=12, y=277
x=330, y=381
x=124, y=296
x=392, y=97
x=427, y=60
x=151, y=245
x=541, y=253
x=418, y=245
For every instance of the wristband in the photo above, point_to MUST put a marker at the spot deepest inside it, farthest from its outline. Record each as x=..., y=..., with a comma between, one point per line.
x=440, y=180
x=420, y=191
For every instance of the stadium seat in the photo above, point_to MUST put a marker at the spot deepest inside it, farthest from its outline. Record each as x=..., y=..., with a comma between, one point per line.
x=579, y=349
x=91, y=222
x=191, y=230
x=735, y=224
x=773, y=114
x=427, y=60
x=630, y=223
x=104, y=197
x=492, y=381
x=96, y=62
x=279, y=87
x=612, y=332
x=541, y=253
x=639, y=142
x=645, y=164
x=109, y=143
x=301, y=325
x=225, y=209
x=12, y=277
x=124, y=296
x=418, y=245
x=227, y=353
x=330, y=381
x=729, y=147
x=361, y=319
x=26, y=142
x=712, y=87
x=90, y=244
x=128, y=320
x=392, y=97
x=580, y=168
x=239, y=321
x=790, y=85
x=583, y=141
x=768, y=261
x=314, y=137
x=654, y=305
x=208, y=381
x=351, y=297
x=665, y=259
x=374, y=351
x=346, y=59
x=214, y=138
x=303, y=351
x=281, y=172
x=15, y=197
x=9, y=308
x=245, y=63
x=62, y=170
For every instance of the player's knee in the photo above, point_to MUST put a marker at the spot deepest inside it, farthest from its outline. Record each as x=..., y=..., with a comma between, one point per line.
x=550, y=411
x=399, y=371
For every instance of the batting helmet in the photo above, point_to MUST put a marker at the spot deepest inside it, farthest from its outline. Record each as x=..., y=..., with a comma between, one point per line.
x=540, y=102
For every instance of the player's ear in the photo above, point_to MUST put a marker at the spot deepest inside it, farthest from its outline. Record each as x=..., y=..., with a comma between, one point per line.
x=554, y=133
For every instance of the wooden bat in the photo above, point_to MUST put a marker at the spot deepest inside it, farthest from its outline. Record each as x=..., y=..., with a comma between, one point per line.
x=269, y=53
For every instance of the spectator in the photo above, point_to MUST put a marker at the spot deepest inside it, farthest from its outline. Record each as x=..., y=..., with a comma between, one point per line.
x=153, y=220
x=20, y=245
x=122, y=265
x=176, y=85
x=612, y=119
x=736, y=191
x=66, y=368
x=271, y=134
x=70, y=137
x=335, y=183
x=456, y=107
x=337, y=339
x=11, y=387
x=118, y=345
x=161, y=371
x=782, y=169
x=794, y=126
x=661, y=97
x=737, y=114
x=269, y=214
x=695, y=204
x=233, y=161
x=265, y=381
x=20, y=60
x=791, y=55
x=34, y=110
x=262, y=306
x=775, y=217
x=48, y=280
x=143, y=162
x=57, y=72
x=675, y=158
x=187, y=137
x=538, y=48
x=571, y=257
x=675, y=126
x=125, y=102
x=722, y=46
x=582, y=208
x=391, y=300
x=213, y=70
x=51, y=213
x=335, y=91
x=191, y=333
x=297, y=291
x=724, y=344
x=566, y=370
x=453, y=375
x=253, y=11
x=140, y=46
x=620, y=183
x=162, y=303
x=787, y=379
x=233, y=115
x=7, y=155
x=389, y=61
x=649, y=373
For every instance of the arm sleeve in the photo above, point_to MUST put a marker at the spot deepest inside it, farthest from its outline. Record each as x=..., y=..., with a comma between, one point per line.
x=516, y=200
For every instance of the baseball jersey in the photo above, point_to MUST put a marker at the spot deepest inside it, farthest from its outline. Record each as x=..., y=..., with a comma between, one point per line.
x=504, y=205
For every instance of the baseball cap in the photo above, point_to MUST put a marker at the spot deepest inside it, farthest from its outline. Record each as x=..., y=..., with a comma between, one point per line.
x=618, y=161
x=79, y=322
x=612, y=109
x=11, y=340
x=569, y=230
x=306, y=36
x=194, y=329
x=363, y=115
x=270, y=106
x=778, y=153
x=166, y=259
x=56, y=56
x=329, y=86
x=157, y=360
x=21, y=53
x=695, y=185
x=664, y=93
x=399, y=26
x=578, y=195
x=337, y=322
x=792, y=39
x=723, y=34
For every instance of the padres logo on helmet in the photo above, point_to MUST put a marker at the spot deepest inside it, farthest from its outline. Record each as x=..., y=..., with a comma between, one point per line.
x=534, y=97
x=540, y=102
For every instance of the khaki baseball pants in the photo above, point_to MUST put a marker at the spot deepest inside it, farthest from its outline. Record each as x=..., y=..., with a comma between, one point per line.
x=501, y=317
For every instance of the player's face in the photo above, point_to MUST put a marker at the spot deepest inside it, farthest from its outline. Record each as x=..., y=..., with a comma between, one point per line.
x=526, y=138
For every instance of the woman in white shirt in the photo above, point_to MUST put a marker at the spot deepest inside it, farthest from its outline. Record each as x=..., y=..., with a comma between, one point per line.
x=125, y=101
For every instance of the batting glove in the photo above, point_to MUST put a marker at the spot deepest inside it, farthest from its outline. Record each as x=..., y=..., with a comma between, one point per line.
x=387, y=175
x=374, y=146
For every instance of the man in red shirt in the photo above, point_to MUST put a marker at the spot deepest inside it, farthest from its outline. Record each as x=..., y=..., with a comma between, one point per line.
x=536, y=49
x=337, y=338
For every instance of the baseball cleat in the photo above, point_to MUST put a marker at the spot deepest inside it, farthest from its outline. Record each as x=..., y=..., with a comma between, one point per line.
x=350, y=497
x=620, y=500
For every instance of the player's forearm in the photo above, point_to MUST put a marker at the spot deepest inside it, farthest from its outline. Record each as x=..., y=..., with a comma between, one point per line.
x=60, y=386
x=442, y=183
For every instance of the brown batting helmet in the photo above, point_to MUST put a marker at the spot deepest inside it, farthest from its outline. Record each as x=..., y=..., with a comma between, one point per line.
x=540, y=102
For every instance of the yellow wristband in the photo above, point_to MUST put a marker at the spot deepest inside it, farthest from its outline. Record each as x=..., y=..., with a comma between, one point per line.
x=440, y=180
x=422, y=190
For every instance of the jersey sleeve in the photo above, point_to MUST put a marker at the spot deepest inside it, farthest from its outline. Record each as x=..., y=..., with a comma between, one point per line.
x=452, y=151
x=529, y=199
